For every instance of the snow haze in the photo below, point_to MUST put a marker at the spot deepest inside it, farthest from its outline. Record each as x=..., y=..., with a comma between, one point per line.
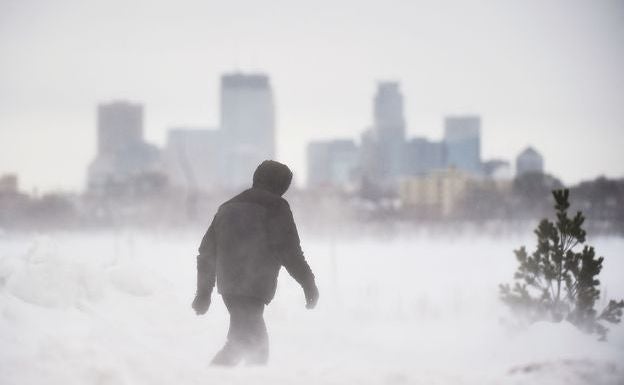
x=114, y=308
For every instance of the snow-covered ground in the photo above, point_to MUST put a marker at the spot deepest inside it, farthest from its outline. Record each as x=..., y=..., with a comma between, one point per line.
x=114, y=308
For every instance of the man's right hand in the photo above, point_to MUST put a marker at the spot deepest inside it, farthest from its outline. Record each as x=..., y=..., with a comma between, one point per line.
x=201, y=304
x=311, y=294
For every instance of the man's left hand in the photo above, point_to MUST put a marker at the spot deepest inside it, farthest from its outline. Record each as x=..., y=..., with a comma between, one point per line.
x=201, y=304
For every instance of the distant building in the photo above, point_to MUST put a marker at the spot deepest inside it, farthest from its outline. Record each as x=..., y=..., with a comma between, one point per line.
x=389, y=126
x=423, y=156
x=14, y=206
x=122, y=151
x=248, y=124
x=462, y=137
x=9, y=184
x=194, y=158
x=332, y=163
x=437, y=193
x=388, y=110
x=529, y=161
x=369, y=155
x=119, y=126
x=383, y=145
x=497, y=169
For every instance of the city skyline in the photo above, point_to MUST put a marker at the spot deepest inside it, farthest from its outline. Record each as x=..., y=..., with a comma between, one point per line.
x=560, y=78
x=210, y=159
x=264, y=81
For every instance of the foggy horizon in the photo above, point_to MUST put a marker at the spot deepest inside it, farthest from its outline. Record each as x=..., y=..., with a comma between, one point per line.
x=422, y=219
x=545, y=75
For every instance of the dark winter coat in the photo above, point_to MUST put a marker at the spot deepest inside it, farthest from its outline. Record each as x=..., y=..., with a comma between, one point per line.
x=250, y=238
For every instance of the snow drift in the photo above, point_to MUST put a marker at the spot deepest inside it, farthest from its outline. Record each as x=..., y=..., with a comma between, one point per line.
x=114, y=308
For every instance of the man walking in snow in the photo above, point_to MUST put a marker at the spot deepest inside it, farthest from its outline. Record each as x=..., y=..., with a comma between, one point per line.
x=250, y=238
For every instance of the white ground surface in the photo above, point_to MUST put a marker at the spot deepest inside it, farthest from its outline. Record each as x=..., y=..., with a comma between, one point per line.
x=114, y=308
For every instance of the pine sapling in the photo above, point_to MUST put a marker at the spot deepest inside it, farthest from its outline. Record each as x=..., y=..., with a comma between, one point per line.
x=556, y=281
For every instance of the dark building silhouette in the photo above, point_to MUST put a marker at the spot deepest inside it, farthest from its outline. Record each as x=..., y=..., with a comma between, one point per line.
x=9, y=184
x=529, y=161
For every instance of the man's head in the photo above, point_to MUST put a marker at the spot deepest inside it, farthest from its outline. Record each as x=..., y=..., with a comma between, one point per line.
x=272, y=176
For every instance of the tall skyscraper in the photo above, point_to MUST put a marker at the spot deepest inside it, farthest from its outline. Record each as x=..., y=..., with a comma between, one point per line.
x=383, y=145
x=248, y=124
x=462, y=138
x=388, y=110
x=529, y=161
x=389, y=127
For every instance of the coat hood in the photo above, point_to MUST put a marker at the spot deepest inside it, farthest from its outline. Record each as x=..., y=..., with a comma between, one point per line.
x=272, y=176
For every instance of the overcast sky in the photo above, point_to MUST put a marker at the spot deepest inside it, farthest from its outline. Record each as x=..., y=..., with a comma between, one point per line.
x=545, y=73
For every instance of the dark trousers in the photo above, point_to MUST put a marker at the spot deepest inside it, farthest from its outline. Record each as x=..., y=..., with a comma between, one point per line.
x=247, y=338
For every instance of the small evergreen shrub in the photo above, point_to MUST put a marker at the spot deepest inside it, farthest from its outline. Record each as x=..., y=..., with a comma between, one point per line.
x=559, y=280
